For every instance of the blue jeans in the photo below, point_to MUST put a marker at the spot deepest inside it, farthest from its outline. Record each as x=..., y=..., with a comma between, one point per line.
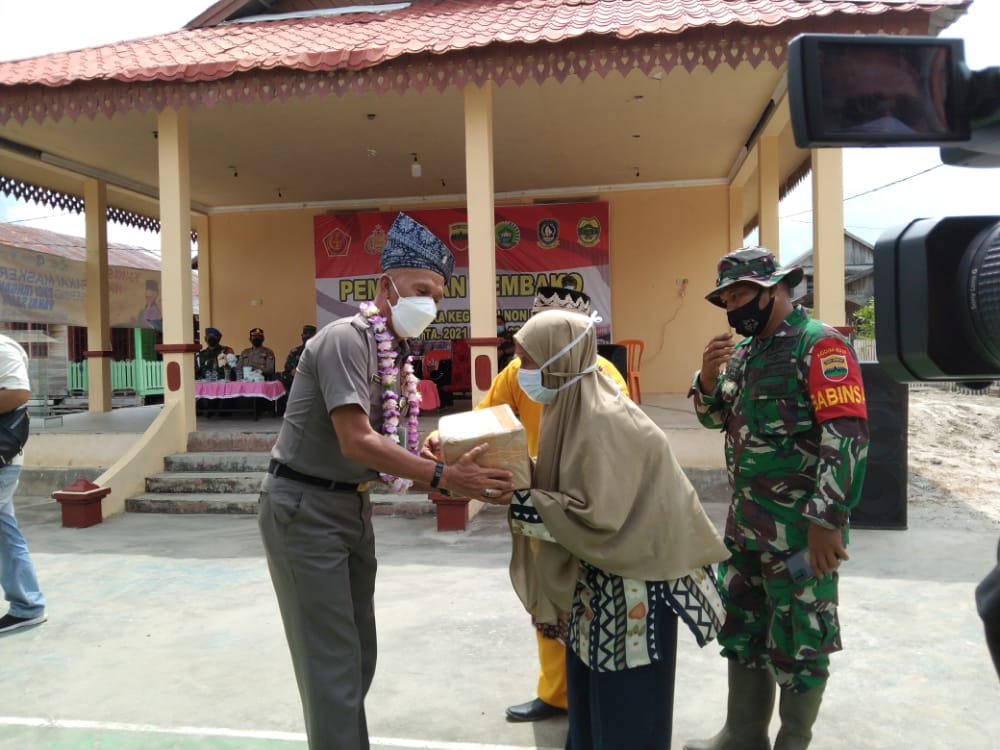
x=17, y=573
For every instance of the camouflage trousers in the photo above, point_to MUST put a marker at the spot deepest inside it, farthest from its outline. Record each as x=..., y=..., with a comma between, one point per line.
x=776, y=624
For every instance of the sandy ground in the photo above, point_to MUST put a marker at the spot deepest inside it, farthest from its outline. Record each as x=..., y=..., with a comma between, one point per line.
x=954, y=459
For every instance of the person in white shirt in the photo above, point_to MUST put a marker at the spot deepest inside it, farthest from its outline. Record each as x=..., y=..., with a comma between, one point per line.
x=17, y=572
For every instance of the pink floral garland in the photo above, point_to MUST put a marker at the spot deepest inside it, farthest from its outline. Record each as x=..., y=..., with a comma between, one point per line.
x=389, y=374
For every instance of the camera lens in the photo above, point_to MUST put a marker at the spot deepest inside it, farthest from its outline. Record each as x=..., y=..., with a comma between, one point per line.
x=979, y=286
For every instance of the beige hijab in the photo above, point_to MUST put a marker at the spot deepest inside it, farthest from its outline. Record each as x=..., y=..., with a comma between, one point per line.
x=606, y=482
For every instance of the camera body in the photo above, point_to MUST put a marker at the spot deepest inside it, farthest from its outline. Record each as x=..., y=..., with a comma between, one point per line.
x=937, y=281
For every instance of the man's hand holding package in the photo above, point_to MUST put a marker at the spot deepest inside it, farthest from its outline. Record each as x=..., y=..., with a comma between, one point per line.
x=466, y=478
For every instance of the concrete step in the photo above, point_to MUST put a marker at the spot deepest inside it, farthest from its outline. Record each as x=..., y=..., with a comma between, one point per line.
x=411, y=505
x=229, y=461
x=231, y=440
x=205, y=482
x=244, y=503
x=42, y=481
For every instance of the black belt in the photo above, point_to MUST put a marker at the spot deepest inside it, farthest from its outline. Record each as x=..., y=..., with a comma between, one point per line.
x=278, y=469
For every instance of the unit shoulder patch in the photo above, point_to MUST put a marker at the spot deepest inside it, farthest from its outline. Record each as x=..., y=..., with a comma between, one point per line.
x=835, y=384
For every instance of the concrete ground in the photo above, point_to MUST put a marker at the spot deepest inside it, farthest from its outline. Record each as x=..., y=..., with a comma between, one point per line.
x=164, y=633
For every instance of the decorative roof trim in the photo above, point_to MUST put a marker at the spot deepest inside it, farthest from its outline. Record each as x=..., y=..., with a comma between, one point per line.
x=28, y=191
x=517, y=63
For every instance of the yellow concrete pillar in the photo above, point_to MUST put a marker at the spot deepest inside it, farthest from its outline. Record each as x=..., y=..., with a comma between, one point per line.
x=482, y=244
x=175, y=274
x=735, y=217
x=98, y=353
x=828, y=235
x=767, y=176
x=200, y=223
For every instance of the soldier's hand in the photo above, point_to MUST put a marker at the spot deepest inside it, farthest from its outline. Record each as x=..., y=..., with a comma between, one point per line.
x=826, y=549
x=717, y=352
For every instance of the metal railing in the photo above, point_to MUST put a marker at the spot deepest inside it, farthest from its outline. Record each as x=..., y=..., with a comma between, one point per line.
x=865, y=349
x=141, y=377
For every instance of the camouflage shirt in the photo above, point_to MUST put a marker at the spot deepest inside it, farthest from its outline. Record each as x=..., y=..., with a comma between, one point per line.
x=792, y=406
x=292, y=361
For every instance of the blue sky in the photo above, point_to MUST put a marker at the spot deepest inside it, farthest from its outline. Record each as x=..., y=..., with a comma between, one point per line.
x=918, y=185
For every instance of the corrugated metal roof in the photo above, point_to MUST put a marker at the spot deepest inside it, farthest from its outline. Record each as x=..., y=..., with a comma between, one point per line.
x=356, y=41
x=75, y=248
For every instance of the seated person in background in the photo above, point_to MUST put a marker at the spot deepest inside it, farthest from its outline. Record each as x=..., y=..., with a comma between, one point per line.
x=212, y=359
x=292, y=360
x=258, y=356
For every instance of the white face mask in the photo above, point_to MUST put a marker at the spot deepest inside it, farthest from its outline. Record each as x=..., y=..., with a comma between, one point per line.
x=531, y=380
x=411, y=315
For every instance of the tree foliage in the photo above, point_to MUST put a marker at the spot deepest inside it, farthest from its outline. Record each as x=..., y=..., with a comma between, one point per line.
x=864, y=321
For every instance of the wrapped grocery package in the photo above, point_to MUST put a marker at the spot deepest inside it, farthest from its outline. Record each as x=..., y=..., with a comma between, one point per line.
x=497, y=426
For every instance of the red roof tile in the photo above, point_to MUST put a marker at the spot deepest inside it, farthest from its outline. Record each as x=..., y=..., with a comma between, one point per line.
x=362, y=40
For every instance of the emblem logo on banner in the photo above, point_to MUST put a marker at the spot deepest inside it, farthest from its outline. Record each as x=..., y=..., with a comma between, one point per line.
x=337, y=243
x=375, y=242
x=458, y=236
x=507, y=235
x=588, y=231
x=548, y=233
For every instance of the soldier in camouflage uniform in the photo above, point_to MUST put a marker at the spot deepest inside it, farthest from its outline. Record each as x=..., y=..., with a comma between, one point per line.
x=790, y=400
x=292, y=360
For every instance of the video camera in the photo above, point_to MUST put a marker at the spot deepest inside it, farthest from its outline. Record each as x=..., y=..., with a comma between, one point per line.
x=937, y=281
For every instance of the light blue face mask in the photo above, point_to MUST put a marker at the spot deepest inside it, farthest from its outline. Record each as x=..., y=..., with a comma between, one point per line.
x=531, y=383
x=531, y=380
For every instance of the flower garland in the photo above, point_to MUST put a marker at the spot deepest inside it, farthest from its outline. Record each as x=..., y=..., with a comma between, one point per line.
x=388, y=372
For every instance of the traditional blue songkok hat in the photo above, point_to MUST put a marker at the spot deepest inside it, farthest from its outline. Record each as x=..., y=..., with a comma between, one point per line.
x=412, y=245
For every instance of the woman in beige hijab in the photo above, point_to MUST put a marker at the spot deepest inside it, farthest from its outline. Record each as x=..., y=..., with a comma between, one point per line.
x=611, y=541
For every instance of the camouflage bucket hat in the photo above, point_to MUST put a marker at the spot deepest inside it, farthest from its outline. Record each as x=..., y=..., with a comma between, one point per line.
x=754, y=264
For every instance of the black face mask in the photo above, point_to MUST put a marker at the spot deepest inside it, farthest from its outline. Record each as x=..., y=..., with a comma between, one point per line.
x=256, y=341
x=749, y=319
x=213, y=341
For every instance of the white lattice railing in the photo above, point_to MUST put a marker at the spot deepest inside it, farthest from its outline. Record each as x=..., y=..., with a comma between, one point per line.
x=865, y=349
x=142, y=377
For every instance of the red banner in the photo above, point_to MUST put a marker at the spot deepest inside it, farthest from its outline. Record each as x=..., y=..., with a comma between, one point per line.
x=545, y=245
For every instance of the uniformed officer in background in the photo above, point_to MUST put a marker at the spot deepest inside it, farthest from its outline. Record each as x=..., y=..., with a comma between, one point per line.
x=258, y=356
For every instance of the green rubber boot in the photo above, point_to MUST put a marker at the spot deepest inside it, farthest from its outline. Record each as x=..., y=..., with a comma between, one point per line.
x=798, y=712
x=748, y=714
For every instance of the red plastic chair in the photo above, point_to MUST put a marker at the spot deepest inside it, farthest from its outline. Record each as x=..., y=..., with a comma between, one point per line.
x=634, y=349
